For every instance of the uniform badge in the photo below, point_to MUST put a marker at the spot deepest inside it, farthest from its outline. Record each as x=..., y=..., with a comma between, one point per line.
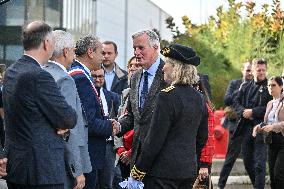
x=168, y=89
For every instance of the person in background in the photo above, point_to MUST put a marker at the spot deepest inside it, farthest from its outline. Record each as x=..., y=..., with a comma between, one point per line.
x=234, y=145
x=273, y=128
x=110, y=102
x=115, y=77
x=124, y=144
x=207, y=152
x=250, y=105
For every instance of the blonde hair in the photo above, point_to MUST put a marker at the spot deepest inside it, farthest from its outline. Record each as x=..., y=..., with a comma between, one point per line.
x=185, y=74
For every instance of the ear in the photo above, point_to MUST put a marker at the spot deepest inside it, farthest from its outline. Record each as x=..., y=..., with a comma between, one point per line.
x=45, y=44
x=65, y=52
x=90, y=53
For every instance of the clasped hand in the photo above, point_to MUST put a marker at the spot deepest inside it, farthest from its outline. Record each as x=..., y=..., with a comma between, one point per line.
x=115, y=127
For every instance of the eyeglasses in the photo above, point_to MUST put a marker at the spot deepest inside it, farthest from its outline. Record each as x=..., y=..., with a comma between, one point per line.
x=271, y=85
x=98, y=76
x=282, y=76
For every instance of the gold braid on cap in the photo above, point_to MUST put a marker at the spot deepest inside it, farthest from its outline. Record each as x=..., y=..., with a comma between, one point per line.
x=166, y=51
x=136, y=174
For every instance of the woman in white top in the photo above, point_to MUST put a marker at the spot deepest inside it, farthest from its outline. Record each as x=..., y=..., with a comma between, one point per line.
x=273, y=127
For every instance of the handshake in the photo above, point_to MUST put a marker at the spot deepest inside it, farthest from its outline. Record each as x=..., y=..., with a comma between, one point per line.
x=116, y=128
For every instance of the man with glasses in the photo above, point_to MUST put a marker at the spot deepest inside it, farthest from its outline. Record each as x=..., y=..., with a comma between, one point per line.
x=110, y=102
x=234, y=145
x=250, y=105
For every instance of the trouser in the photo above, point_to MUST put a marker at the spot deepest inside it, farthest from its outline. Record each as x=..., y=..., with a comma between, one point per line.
x=105, y=176
x=162, y=183
x=234, y=149
x=20, y=186
x=91, y=179
x=276, y=165
x=254, y=157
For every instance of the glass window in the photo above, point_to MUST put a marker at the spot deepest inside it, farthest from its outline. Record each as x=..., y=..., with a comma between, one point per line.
x=13, y=13
x=13, y=52
x=52, y=12
x=1, y=51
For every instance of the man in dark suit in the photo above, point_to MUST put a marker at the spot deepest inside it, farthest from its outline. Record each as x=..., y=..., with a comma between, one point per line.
x=234, y=145
x=145, y=85
x=178, y=130
x=110, y=102
x=89, y=57
x=115, y=78
x=35, y=114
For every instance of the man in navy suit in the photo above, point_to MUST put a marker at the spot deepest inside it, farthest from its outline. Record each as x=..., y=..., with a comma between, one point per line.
x=89, y=57
x=36, y=116
x=110, y=102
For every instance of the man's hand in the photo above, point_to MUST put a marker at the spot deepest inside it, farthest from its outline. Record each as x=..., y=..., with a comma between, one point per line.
x=80, y=182
x=115, y=127
x=247, y=113
x=125, y=157
x=267, y=128
x=256, y=130
x=3, y=164
x=62, y=131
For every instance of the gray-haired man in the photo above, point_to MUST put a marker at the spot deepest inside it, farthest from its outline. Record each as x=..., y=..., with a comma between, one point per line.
x=76, y=148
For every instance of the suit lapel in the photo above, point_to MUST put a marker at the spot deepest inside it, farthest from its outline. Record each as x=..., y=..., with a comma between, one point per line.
x=155, y=88
x=135, y=93
x=114, y=82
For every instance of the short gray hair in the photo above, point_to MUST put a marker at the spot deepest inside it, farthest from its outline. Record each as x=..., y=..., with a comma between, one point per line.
x=185, y=74
x=153, y=37
x=86, y=42
x=62, y=40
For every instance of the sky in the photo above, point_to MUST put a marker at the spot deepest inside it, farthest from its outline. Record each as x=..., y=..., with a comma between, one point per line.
x=198, y=10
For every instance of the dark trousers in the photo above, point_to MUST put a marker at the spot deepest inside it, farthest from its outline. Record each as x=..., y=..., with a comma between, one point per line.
x=276, y=165
x=91, y=179
x=105, y=176
x=20, y=186
x=234, y=149
x=162, y=183
x=254, y=157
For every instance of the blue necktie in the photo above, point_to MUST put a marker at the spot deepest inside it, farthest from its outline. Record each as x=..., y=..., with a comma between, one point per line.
x=144, y=91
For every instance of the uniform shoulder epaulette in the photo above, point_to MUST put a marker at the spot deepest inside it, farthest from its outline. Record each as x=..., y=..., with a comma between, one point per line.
x=168, y=89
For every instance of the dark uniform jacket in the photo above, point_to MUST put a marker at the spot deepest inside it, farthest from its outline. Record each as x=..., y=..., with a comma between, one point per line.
x=140, y=120
x=252, y=95
x=178, y=131
x=34, y=109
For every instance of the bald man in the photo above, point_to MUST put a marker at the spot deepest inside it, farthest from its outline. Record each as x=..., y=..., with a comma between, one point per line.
x=37, y=117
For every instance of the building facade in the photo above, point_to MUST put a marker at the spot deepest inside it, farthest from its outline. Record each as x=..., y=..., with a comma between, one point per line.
x=112, y=20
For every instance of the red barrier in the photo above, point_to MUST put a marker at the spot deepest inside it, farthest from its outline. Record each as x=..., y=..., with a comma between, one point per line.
x=220, y=134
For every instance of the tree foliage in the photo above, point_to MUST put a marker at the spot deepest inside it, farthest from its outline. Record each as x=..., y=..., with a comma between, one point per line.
x=229, y=39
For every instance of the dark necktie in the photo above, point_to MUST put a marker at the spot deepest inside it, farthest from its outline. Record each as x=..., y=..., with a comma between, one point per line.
x=144, y=91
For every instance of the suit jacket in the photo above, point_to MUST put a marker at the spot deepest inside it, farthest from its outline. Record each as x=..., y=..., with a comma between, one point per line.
x=34, y=109
x=178, y=131
x=99, y=128
x=76, y=149
x=230, y=95
x=120, y=80
x=140, y=120
x=113, y=103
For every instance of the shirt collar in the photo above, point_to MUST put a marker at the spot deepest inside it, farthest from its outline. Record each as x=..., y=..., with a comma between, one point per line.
x=60, y=65
x=110, y=72
x=154, y=67
x=85, y=67
x=34, y=59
